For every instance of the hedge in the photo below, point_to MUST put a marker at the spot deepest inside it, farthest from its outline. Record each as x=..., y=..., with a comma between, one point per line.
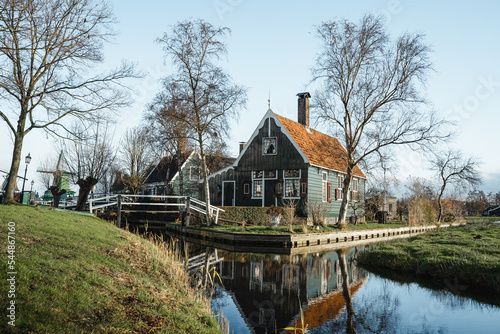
x=249, y=214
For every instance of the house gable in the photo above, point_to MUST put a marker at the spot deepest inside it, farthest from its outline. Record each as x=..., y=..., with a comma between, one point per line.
x=287, y=153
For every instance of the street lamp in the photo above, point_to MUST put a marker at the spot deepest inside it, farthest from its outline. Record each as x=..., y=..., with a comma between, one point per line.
x=27, y=160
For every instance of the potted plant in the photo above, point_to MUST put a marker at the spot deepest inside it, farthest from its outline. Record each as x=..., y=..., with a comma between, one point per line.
x=275, y=212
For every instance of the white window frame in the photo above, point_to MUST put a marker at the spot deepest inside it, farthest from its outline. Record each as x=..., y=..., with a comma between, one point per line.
x=340, y=184
x=355, y=183
x=285, y=179
x=255, y=181
x=246, y=189
x=191, y=173
x=254, y=188
x=275, y=145
x=270, y=178
x=324, y=186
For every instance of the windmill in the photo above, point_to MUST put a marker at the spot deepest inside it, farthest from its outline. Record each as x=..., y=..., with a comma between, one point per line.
x=60, y=185
x=6, y=178
x=4, y=184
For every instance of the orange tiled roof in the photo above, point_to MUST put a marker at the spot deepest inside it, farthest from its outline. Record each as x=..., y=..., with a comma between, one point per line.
x=321, y=150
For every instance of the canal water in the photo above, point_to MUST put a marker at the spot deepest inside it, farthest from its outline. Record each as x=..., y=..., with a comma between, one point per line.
x=330, y=293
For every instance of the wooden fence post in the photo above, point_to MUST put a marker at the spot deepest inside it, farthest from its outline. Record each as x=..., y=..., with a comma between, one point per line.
x=119, y=212
x=188, y=209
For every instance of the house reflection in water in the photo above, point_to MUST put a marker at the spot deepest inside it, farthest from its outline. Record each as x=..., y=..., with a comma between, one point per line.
x=266, y=289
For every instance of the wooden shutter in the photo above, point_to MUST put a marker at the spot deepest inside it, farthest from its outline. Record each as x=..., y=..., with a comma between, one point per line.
x=337, y=194
x=329, y=191
x=303, y=188
x=247, y=188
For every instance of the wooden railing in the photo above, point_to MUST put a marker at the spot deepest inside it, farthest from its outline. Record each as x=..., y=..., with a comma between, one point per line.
x=163, y=204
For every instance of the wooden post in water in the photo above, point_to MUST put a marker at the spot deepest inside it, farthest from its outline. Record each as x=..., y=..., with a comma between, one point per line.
x=119, y=212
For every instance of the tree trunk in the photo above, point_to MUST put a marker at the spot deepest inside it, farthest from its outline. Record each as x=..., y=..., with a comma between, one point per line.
x=205, y=179
x=440, y=214
x=14, y=168
x=345, y=198
x=84, y=191
x=56, y=193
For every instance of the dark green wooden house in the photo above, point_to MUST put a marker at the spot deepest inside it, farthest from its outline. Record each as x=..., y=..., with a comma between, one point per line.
x=175, y=176
x=287, y=160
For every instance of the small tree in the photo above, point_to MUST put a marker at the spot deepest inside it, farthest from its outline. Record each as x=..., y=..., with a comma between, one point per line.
x=455, y=170
x=51, y=176
x=205, y=94
x=371, y=91
x=136, y=158
x=88, y=159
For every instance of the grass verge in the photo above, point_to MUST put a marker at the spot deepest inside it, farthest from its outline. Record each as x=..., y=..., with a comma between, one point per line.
x=467, y=256
x=297, y=229
x=81, y=274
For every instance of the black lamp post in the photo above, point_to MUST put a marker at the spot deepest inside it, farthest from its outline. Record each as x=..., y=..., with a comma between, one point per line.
x=27, y=160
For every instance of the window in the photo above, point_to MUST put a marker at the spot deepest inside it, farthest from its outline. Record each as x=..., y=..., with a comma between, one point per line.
x=354, y=184
x=257, y=174
x=257, y=188
x=247, y=186
x=269, y=146
x=270, y=174
x=279, y=188
x=340, y=186
x=292, y=183
x=292, y=173
x=194, y=173
x=340, y=181
x=291, y=188
x=257, y=183
x=325, y=186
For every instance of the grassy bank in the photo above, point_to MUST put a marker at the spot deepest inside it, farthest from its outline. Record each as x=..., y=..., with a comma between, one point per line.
x=81, y=274
x=466, y=256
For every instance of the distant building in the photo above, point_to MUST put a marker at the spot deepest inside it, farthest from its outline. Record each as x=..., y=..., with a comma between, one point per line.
x=492, y=211
x=180, y=175
x=391, y=207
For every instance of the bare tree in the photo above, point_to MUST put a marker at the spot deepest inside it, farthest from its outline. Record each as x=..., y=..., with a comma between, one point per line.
x=51, y=176
x=88, y=160
x=136, y=158
x=371, y=91
x=207, y=96
x=47, y=50
x=456, y=170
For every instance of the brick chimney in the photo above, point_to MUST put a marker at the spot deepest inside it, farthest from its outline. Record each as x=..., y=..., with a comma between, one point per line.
x=242, y=145
x=303, y=108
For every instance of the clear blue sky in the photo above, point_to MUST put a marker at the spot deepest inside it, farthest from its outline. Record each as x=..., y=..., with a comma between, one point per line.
x=272, y=48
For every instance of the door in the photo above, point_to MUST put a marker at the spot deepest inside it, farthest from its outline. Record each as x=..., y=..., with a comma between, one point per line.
x=269, y=195
x=228, y=193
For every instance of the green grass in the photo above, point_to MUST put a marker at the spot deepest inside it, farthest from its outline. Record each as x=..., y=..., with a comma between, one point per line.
x=81, y=274
x=481, y=220
x=452, y=254
x=297, y=229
